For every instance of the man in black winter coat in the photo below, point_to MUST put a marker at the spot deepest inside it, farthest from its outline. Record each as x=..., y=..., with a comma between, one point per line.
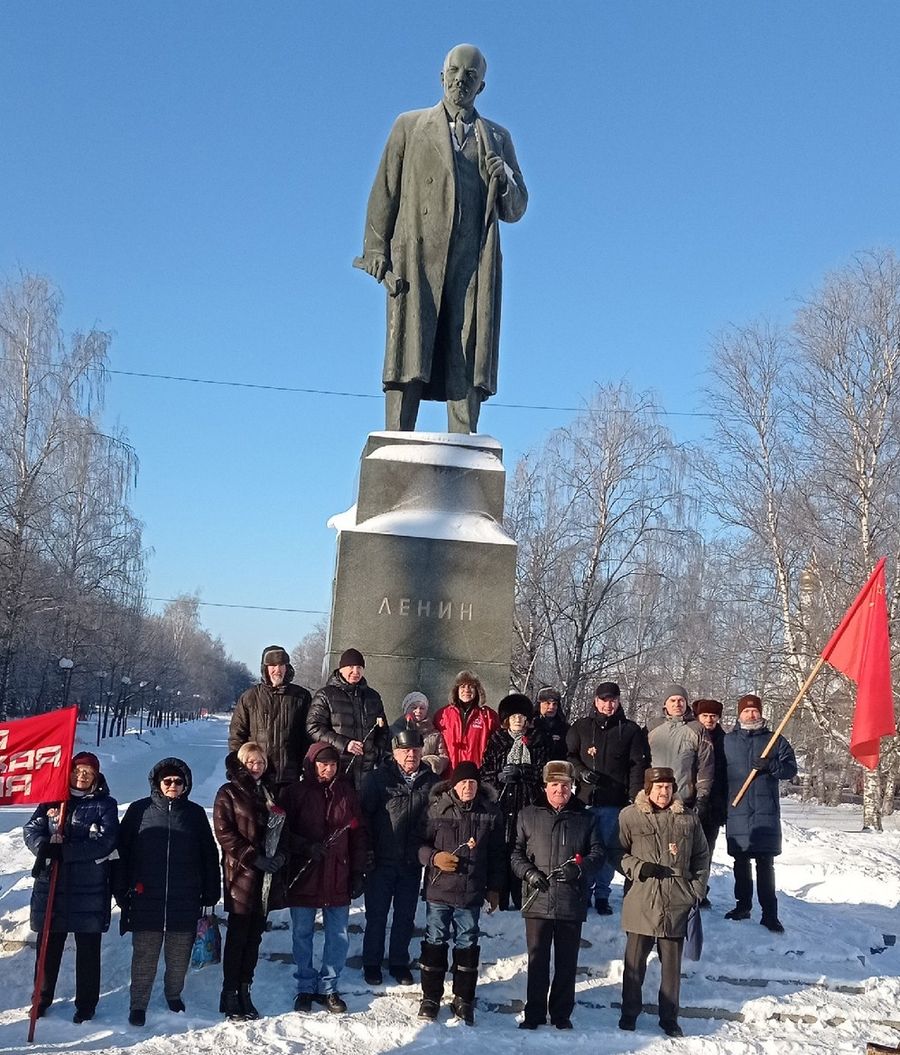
x=608, y=754
x=464, y=850
x=348, y=714
x=556, y=853
x=273, y=714
x=551, y=724
x=394, y=800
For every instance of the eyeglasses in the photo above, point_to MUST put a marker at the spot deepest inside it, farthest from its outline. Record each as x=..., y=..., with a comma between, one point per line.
x=83, y=771
x=172, y=781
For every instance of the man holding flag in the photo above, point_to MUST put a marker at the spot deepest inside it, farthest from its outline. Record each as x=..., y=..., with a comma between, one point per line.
x=753, y=826
x=860, y=649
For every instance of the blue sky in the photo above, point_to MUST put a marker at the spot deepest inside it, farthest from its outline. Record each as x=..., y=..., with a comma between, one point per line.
x=194, y=177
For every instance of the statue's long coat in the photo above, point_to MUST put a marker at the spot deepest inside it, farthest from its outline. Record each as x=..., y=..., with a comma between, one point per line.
x=410, y=220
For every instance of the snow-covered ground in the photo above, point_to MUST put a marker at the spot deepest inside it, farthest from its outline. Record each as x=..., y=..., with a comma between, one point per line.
x=828, y=984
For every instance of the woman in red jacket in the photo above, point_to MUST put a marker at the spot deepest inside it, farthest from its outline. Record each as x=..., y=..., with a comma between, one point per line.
x=466, y=723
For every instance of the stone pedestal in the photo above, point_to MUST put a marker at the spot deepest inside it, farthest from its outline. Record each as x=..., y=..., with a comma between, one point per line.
x=424, y=576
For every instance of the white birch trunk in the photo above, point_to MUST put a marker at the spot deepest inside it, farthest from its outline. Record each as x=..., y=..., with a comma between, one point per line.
x=872, y=800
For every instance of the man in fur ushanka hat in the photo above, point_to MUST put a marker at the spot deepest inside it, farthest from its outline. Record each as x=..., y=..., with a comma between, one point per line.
x=557, y=850
x=666, y=857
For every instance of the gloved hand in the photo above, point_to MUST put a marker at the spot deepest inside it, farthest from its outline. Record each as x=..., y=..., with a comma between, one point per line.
x=510, y=774
x=763, y=765
x=52, y=851
x=570, y=872
x=445, y=862
x=268, y=864
x=357, y=885
x=316, y=851
x=703, y=810
x=280, y=859
x=590, y=777
x=649, y=870
x=536, y=878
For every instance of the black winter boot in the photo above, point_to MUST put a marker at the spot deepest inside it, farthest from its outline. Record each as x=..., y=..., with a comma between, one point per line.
x=465, y=978
x=230, y=1005
x=433, y=967
x=246, y=1004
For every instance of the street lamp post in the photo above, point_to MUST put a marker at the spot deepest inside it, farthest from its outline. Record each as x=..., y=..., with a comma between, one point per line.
x=65, y=672
x=122, y=706
x=142, y=686
x=101, y=674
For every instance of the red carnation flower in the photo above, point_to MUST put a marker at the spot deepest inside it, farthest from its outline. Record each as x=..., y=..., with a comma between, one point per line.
x=138, y=888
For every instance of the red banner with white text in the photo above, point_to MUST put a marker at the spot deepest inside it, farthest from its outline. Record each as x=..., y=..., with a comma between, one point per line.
x=35, y=758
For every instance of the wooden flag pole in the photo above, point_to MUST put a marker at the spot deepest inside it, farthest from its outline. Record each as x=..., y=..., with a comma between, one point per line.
x=45, y=933
x=751, y=776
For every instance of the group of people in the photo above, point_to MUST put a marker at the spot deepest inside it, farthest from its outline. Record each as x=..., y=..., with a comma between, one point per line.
x=325, y=802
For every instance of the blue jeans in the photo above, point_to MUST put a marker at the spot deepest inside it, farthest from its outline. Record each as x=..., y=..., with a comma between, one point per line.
x=334, y=952
x=606, y=821
x=387, y=884
x=443, y=920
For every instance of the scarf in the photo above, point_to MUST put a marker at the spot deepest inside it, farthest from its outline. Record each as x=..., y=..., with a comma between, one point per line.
x=518, y=754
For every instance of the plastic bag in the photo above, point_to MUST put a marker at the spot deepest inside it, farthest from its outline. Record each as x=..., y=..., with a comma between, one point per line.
x=693, y=941
x=208, y=942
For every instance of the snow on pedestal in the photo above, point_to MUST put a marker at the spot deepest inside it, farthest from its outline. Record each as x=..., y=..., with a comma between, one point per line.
x=425, y=574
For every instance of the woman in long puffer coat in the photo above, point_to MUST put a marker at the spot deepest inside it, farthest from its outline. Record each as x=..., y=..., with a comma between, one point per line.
x=81, y=904
x=241, y=815
x=168, y=869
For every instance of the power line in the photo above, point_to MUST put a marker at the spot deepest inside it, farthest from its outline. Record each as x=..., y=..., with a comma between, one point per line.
x=367, y=395
x=248, y=607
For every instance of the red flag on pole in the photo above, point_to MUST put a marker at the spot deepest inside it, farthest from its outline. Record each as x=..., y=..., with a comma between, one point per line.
x=35, y=758
x=861, y=649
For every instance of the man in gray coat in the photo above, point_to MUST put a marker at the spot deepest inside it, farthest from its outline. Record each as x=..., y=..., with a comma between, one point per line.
x=677, y=740
x=446, y=177
x=666, y=857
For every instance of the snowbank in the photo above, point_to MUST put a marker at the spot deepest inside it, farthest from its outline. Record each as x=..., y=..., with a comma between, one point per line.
x=831, y=981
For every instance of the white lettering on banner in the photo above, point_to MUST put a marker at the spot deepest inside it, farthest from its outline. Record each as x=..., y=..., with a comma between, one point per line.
x=29, y=761
x=427, y=609
x=15, y=785
x=4, y=738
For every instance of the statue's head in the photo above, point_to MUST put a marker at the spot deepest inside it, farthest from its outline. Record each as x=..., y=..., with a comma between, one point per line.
x=463, y=75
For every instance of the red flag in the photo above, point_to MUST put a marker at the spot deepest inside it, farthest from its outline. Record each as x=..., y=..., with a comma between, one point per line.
x=36, y=757
x=861, y=649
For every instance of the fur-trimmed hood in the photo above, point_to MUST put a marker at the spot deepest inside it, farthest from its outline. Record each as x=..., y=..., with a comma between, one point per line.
x=466, y=677
x=171, y=763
